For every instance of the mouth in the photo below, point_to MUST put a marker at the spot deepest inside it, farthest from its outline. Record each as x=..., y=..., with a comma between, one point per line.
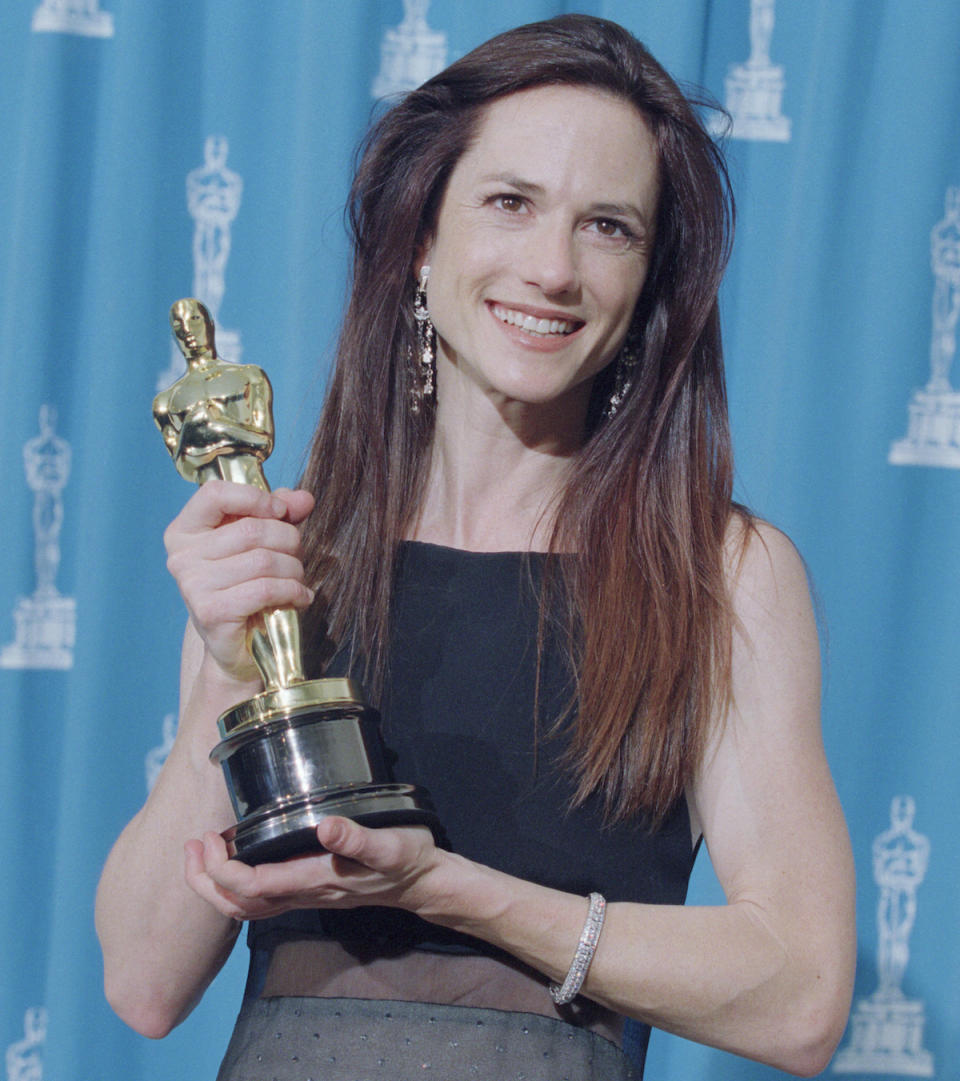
x=541, y=326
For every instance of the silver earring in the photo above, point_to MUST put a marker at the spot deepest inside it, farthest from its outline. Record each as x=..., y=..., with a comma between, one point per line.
x=425, y=364
x=626, y=362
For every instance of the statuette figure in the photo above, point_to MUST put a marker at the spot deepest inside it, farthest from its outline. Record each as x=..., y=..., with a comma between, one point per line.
x=410, y=53
x=217, y=423
x=45, y=621
x=933, y=433
x=25, y=1056
x=887, y=1028
x=754, y=90
x=82, y=17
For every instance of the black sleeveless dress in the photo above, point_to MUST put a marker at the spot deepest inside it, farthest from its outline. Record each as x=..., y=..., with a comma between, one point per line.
x=463, y=717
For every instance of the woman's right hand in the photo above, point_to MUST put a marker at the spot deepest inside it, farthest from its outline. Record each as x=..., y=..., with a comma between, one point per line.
x=235, y=550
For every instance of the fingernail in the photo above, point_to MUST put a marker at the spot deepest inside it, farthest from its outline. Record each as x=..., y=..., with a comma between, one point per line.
x=279, y=507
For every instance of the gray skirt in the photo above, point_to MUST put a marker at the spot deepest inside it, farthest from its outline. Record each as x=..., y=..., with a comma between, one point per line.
x=346, y=1039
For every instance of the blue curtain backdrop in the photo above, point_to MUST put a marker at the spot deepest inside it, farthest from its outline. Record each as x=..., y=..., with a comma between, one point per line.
x=151, y=151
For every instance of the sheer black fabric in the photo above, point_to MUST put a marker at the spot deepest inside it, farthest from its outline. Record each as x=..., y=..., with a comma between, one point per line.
x=316, y=1039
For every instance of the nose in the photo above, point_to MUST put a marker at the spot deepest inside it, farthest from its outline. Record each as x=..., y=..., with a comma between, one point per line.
x=551, y=258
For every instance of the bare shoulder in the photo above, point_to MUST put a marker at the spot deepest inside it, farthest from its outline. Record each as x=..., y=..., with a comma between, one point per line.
x=766, y=576
x=774, y=648
x=757, y=553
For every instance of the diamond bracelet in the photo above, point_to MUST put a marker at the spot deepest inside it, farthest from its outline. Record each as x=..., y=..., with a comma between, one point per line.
x=586, y=948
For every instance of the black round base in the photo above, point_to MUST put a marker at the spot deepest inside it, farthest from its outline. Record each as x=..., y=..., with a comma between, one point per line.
x=290, y=829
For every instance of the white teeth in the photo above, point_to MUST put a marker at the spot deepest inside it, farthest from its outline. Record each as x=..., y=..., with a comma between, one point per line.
x=531, y=323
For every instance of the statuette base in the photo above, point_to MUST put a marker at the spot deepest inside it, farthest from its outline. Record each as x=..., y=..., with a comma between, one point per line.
x=286, y=831
x=887, y=1038
x=45, y=633
x=294, y=756
x=933, y=433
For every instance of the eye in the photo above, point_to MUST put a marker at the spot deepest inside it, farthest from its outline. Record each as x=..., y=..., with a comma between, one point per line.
x=509, y=201
x=611, y=227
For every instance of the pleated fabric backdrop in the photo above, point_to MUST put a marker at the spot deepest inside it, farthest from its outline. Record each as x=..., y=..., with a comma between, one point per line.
x=151, y=151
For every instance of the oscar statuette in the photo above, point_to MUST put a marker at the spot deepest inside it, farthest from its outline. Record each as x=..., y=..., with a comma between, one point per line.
x=301, y=749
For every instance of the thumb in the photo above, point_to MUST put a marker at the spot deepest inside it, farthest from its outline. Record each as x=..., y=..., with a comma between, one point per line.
x=343, y=837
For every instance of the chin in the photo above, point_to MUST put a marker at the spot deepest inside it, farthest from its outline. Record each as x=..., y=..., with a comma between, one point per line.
x=545, y=397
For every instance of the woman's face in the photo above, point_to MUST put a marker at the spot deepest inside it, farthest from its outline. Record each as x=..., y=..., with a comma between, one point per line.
x=542, y=245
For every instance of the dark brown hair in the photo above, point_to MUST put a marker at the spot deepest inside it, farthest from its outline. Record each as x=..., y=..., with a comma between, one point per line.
x=648, y=501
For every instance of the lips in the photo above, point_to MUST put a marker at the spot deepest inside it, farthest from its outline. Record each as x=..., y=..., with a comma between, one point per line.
x=544, y=326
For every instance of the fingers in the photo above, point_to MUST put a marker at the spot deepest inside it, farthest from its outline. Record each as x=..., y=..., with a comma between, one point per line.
x=299, y=503
x=234, y=550
x=228, y=885
x=218, y=500
x=224, y=520
x=360, y=867
x=232, y=606
x=247, y=534
x=259, y=578
x=197, y=878
x=300, y=882
x=242, y=892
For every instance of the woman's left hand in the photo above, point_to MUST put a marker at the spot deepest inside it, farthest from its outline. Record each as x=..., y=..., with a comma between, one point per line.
x=390, y=866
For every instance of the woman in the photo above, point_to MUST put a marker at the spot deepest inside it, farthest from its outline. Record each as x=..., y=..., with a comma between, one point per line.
x=516, y=524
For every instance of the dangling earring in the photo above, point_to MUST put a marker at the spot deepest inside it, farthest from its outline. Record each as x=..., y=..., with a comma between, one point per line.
x=424, y=366
x=623, y=375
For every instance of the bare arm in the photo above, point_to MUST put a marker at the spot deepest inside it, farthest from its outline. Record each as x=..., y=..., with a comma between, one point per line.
x=784, y=944
x=781, y=947
x=162, y=944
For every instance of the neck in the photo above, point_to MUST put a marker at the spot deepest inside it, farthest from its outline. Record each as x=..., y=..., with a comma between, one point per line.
x=201, y=358
x=496, y=472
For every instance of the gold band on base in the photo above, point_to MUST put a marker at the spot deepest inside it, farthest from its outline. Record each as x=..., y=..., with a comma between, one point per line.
x=586, y=948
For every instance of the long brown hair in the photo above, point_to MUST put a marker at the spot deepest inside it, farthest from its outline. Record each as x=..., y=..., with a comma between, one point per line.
x=648, y=501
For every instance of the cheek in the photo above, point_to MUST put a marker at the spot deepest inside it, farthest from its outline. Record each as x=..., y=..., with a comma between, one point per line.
x=471, y=250
x=458, y=277
x=618, y=297
x=442, y=299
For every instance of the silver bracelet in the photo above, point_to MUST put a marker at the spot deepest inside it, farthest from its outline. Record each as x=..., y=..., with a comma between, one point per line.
x=586, y=948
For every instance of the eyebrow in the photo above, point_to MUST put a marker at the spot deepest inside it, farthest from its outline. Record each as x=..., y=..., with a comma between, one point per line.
x=528, y=187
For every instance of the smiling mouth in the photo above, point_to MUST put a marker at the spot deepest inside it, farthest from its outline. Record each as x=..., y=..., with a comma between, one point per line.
x=545, y=328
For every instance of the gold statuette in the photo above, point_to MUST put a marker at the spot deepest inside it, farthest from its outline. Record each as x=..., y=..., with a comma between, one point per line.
x=302, y=749
x=217, y=422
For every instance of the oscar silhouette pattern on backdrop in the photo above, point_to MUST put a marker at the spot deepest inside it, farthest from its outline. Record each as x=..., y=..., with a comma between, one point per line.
x=46, y=620
x=933, y=432
x=887, y=1028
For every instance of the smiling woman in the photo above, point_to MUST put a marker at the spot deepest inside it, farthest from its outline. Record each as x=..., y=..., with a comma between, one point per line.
x=516, y=527
x=534, y=276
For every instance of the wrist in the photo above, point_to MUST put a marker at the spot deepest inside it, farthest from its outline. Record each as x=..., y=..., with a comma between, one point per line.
x=225, y=660
x=227, y=687
x=539, y=925
x=213, y=692
x=466, y=896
